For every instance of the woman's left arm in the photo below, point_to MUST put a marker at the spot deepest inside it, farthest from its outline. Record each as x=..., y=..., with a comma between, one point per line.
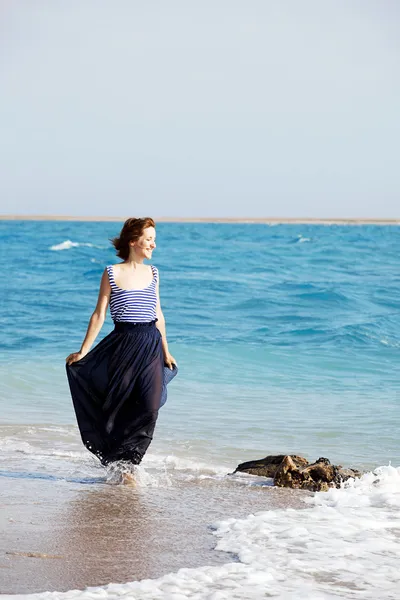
x=160, y=324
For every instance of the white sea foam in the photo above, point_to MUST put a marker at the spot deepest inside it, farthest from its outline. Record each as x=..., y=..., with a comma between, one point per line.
x=12, y=446
x=178, y=463
x=346, y=544
x=67, y=244
x=33, y=442
x=31, y=452
x=301, y=239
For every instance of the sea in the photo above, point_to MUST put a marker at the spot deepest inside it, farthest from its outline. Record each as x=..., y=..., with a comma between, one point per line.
x=287, y=339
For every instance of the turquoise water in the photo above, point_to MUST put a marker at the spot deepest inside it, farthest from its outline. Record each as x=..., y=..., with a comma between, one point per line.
x=287, y=338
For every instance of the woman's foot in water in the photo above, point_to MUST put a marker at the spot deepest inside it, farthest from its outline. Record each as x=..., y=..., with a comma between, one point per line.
x=121, y=473
x=128, y=479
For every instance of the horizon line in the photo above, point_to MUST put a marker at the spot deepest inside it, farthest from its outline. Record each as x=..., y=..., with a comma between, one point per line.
x=261, y=220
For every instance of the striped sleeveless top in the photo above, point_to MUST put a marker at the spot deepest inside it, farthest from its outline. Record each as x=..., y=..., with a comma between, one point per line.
x=133, y=306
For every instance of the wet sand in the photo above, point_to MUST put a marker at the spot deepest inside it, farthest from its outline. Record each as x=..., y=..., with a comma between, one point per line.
x=58, y=535
x=265, y=220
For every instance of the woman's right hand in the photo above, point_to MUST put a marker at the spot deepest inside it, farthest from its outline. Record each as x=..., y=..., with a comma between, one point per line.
x=74, y=357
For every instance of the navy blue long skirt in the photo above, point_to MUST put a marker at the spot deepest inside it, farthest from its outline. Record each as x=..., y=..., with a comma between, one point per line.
x=116, y=390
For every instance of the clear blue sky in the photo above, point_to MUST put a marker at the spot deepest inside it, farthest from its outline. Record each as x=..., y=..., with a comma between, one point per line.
x=200, y=108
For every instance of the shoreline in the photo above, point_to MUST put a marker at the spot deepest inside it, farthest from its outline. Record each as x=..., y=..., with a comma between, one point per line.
x=124, y=533
x=250, y=220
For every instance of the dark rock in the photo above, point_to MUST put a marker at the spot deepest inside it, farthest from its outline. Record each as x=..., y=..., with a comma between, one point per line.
x=326, y=461
x=288, y=474
x=267, y=467
x=296, y=472
x=313, y=477
x=345, y=474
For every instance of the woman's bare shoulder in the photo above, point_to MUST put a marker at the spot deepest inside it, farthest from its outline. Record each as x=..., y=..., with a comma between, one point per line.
x=115, y=266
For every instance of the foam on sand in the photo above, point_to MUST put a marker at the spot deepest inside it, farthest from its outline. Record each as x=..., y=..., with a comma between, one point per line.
x=345, y=544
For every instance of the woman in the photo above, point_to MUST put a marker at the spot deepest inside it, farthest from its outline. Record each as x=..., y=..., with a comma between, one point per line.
x=118, y=387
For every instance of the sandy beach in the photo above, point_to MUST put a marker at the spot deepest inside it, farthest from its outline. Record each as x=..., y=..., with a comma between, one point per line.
x=61, y=535
x=266, y=220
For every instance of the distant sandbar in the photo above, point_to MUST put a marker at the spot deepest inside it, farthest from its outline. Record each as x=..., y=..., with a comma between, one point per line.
x=266, y=220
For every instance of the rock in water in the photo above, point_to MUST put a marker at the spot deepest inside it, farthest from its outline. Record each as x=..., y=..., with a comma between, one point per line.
x=315, y=477
x=296, y=472
x=268, y=466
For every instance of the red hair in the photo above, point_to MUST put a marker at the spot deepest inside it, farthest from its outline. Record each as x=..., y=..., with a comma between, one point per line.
x=130, y=232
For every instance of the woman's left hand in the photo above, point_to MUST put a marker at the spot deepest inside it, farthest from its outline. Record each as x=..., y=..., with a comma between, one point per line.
x=169, y=360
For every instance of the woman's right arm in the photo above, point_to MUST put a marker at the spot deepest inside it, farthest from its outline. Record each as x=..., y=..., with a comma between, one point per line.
x=96, y=320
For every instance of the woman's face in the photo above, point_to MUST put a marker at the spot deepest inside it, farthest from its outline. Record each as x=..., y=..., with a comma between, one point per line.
x=146, y=243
